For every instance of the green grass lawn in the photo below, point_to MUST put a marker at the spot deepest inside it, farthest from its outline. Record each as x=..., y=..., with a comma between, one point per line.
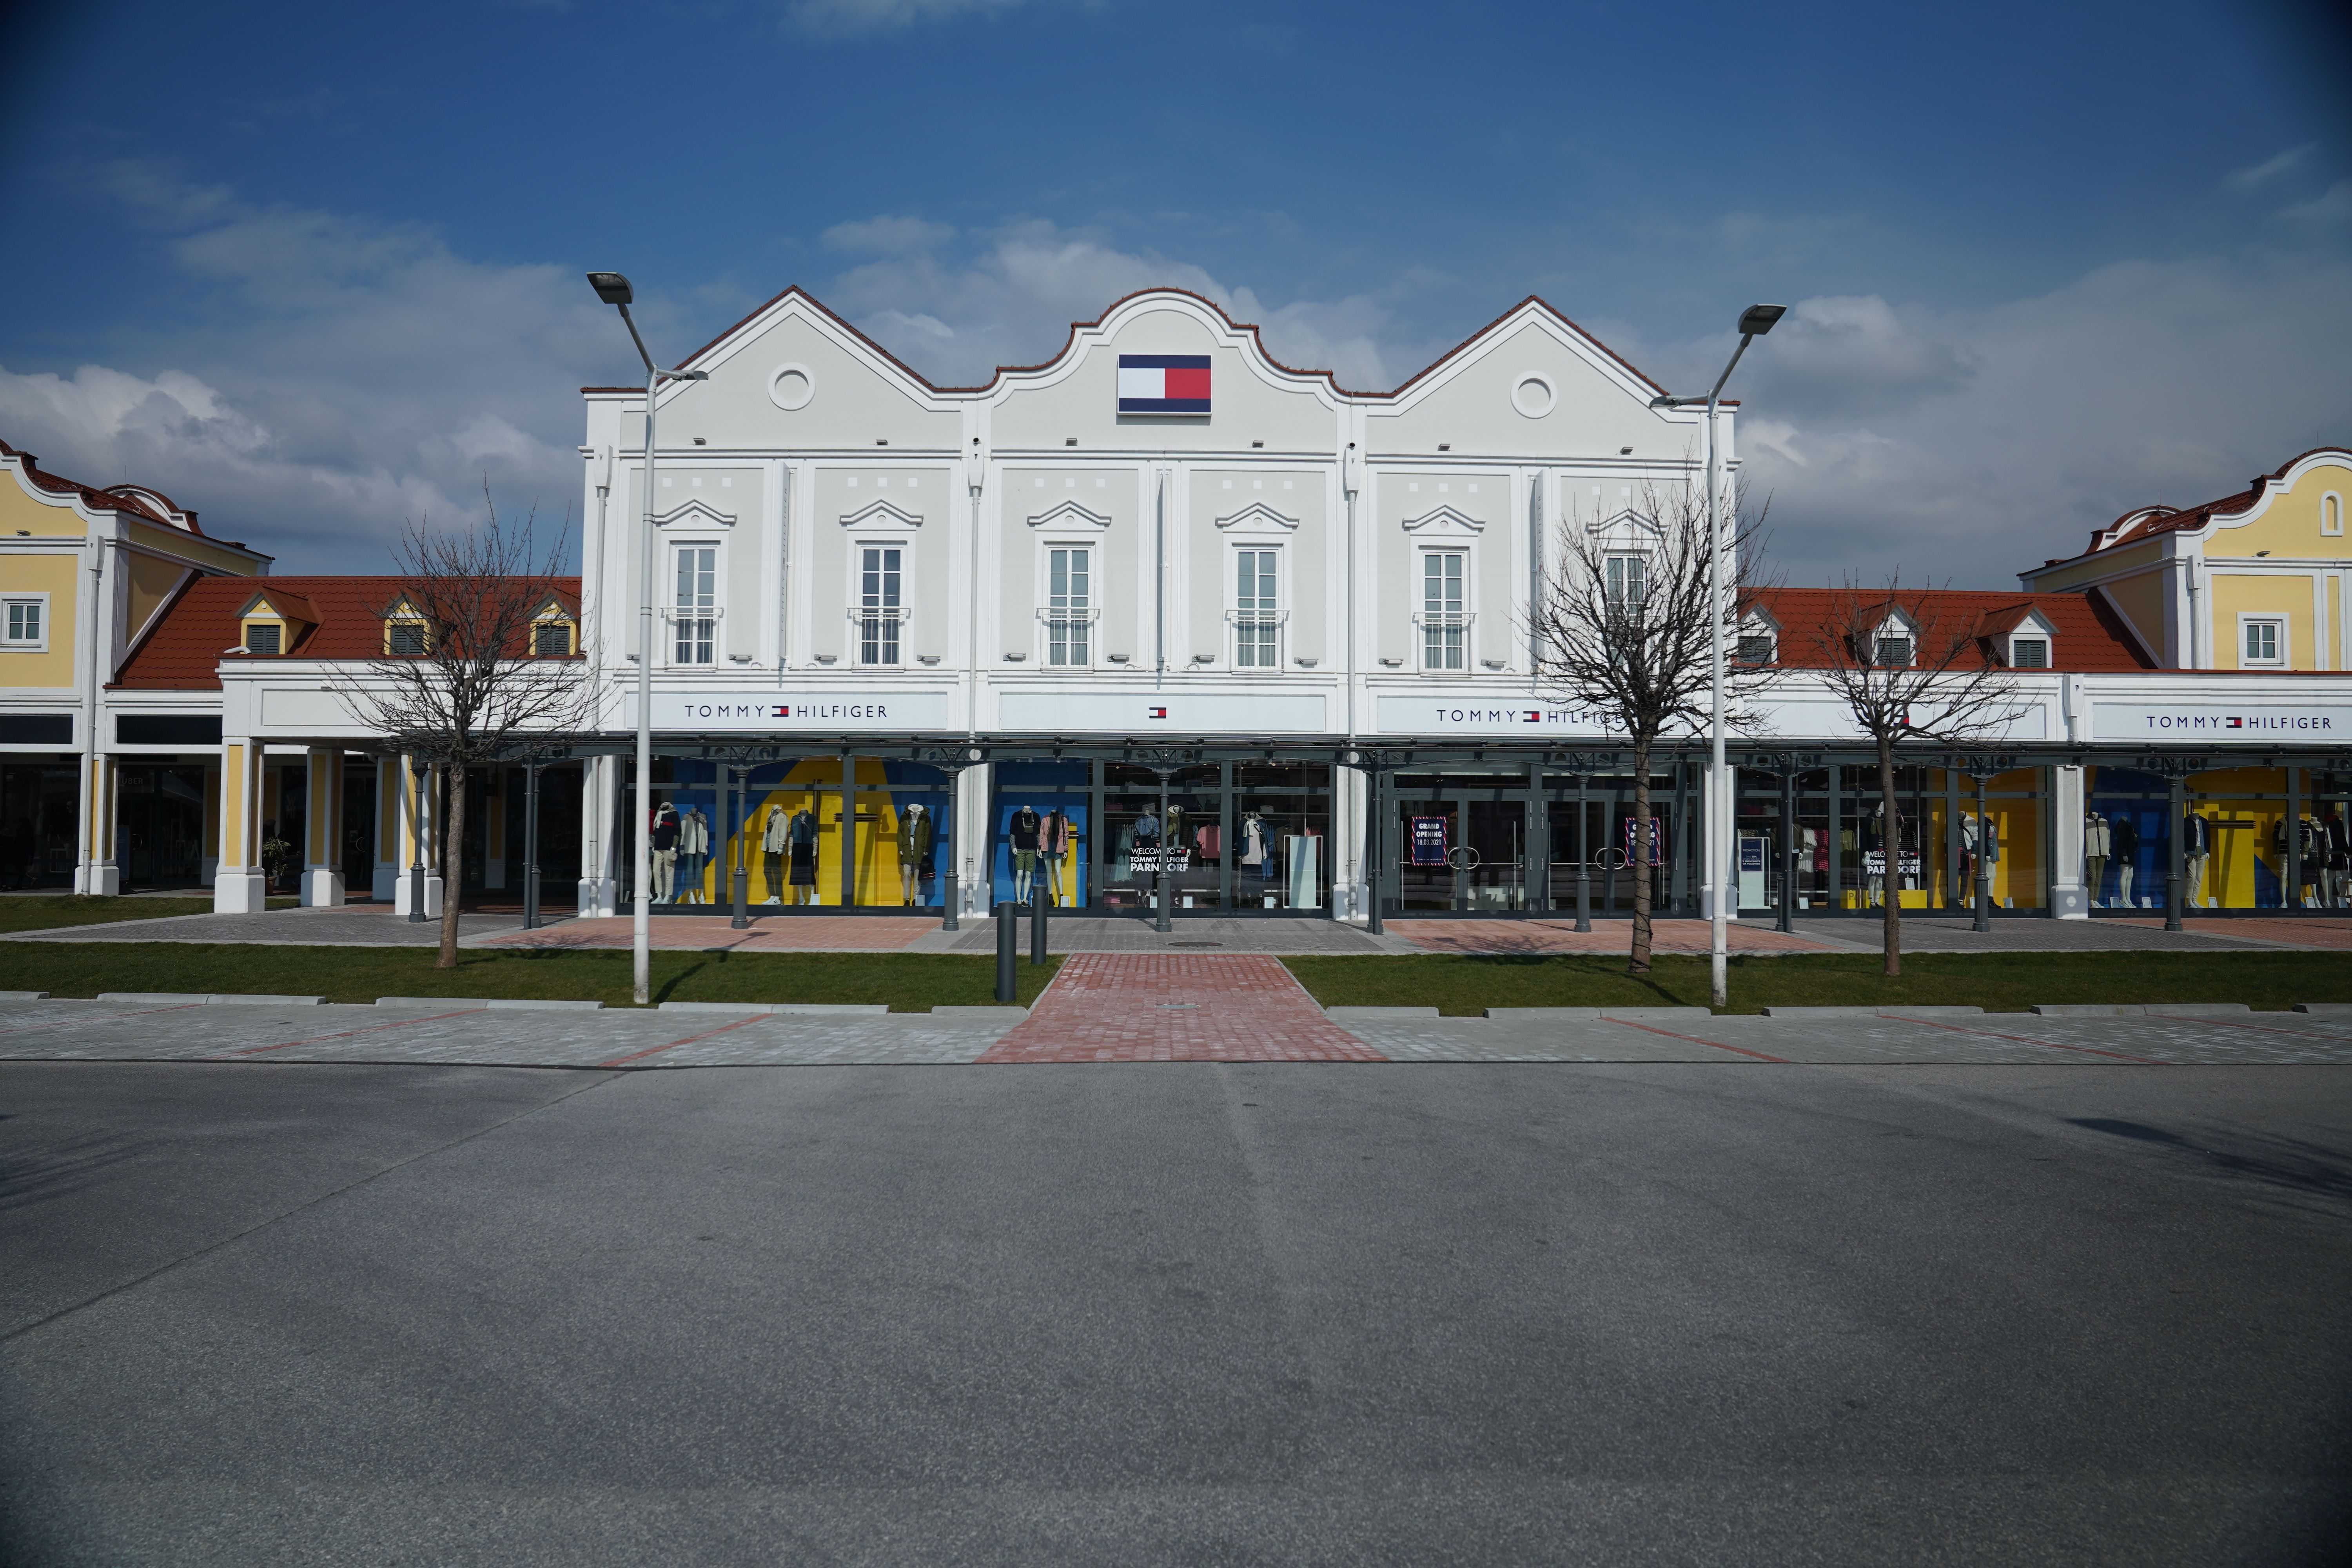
x=2002, y=982
x=906, y=982
x=40, y=913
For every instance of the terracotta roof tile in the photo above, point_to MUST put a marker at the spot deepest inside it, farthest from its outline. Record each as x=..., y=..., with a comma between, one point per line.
x=183, y=650
x=2087, y=639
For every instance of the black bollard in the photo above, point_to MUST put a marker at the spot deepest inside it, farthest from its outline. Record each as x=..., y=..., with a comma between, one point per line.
x=1008, y=944
x=949, y=895
x=1037, y=919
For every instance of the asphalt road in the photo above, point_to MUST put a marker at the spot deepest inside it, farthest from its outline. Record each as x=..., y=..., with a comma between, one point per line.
x=1633, y=1313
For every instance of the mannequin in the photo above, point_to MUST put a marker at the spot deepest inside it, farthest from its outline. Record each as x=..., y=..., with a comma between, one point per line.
x=1021, y=832
x=2124, y=837
x=914, y=853
x=2196, y=845
x=1873, y=893
x=2095, y=845
x=693, y=852
x=2340, y=859
x=1053, y=842
x=1253, y=845
x=801, y=834
x=665, y=853
x=1988, y=848
x=772, y=844
x=1967, y=867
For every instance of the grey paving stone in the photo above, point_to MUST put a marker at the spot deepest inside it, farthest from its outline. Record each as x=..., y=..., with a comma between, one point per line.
x=1541, y=1015
x=1342, y=1015
x=518, y=1004
x=2326, y=1009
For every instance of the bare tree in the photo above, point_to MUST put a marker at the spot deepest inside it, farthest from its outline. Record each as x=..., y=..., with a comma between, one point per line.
x=1910, y=666
x=1625, y=629
x=462, y=682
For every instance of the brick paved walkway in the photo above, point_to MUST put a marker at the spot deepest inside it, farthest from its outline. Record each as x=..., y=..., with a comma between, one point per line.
x=1163, y=1007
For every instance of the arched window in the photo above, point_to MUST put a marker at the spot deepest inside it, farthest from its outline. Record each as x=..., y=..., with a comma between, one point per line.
x=2331, y=513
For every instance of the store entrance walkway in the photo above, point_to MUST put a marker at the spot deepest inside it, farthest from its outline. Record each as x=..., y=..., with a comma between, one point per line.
x=1163, y=1007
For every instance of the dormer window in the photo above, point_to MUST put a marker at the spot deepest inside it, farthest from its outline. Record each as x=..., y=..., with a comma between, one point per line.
x=551, y=640
x=1754, y=647
x=2029, y=653
x=403, y=638
x=1890, y=651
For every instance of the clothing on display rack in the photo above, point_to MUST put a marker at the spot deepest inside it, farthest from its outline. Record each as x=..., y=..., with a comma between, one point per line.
x=1253, y=840
x=2339, y=860
x=1147, y=831
x=1210, y=840
x=914, y=834
x=2124, y=836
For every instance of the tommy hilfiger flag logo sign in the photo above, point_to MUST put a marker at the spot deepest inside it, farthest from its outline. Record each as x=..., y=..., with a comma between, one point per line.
x=1157, y=713
x=1163, y=383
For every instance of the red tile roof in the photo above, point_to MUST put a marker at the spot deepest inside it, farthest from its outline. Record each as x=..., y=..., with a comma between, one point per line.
x=183, y=652
x=2147, y=522
x=2088, y=636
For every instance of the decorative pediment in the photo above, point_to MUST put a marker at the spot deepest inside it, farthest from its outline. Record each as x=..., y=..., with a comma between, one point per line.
x=1446, y=524
x=881, y=514
x=696, y=513
x=1070, y=514
x=1626, y=523
x=1260, y=518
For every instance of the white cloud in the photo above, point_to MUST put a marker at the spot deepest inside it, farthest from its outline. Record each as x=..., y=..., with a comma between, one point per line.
x=2332, y=205
x=2259, y=175
x=839, y=18
x=887, y=235
x=2142, y=382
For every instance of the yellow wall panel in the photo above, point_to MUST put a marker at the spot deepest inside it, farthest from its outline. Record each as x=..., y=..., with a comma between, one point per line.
x=152, y=583
x=18, y=509
x=58, y=576
x=2289, y=525
x=2141, y=600
x=2286, y=596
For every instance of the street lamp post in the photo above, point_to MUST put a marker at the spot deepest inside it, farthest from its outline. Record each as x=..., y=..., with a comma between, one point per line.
x=1754, y=322
x=614, y=289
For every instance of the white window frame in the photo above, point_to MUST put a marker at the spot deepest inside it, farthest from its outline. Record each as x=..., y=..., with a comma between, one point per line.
x=899, y=615
x=1612, y=573
x=2283, y=631
x=1086, y=617
x=1258, y=617
x=24, y=645
x=1425, y=621
x=674, y=614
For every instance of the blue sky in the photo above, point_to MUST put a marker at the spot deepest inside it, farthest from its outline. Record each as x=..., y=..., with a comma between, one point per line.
x=316, y=270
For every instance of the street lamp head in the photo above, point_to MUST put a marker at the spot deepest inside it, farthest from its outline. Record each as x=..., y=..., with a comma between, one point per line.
x=611, y=287
x=1758, y=319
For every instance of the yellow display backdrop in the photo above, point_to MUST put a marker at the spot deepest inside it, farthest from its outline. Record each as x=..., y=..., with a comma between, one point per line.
x=814, y=784
x=2241, y=832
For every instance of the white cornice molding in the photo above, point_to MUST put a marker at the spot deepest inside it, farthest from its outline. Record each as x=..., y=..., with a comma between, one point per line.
x=1069, y=514
x=1446, y=522
x=1259, y=517
x=883, y=513
x=695, y=510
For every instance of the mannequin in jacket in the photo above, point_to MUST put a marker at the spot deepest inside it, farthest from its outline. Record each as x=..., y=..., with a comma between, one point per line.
x=1022, y=831
x=693, y=853
x=775, y=837
x=665, y=853
x=2097, y=840
x=2125, y=838
x=1053, y=842
x=800, y=837
x=915, y=831
x=2340, y=859
x=2196, y=848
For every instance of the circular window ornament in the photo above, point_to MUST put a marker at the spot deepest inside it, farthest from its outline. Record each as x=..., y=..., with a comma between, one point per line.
x=791, y=386
x=1533, y=396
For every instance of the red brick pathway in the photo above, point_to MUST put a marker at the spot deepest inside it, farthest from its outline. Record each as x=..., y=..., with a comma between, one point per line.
x=1171, y=1007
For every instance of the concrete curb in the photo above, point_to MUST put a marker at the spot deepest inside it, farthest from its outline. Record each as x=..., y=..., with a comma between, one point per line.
x=978, y=1014
x=2315, y=1009
x=2140, y=1009
x=1542, y=1014
x=1939, y=1012
x=524, y=1003
x=23, y=995
x=192, y=999
x=754, y=1009
x=1647, y=1014
x=1378, y=1015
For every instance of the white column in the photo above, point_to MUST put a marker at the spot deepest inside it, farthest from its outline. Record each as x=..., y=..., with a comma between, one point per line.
x=2069, y=899
x=386, y=829
x=974, y=867
x=418, y=822
x=494, y=826
x=238, y=886
x=322, y=869
x=599, y=888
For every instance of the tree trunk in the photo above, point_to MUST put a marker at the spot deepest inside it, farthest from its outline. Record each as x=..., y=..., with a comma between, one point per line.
x=452, y=866
x=1890, y=848
x=1639, y=964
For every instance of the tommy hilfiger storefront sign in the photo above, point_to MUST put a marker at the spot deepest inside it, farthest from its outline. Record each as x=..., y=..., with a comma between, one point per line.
x=2248, y=722
x=791, y=712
